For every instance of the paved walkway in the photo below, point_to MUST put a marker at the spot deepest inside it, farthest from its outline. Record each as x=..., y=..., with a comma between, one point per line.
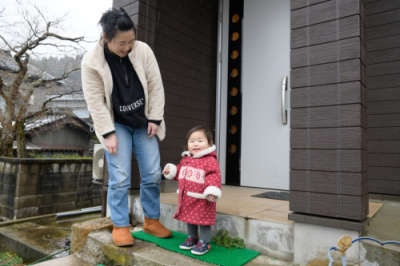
x=64, y=261
x=385, y=225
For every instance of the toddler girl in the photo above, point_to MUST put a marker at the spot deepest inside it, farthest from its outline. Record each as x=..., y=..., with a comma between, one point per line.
x=199, y=180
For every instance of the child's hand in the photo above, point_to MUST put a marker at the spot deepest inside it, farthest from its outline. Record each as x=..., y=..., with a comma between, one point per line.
x=211, y=198
x=165, y=171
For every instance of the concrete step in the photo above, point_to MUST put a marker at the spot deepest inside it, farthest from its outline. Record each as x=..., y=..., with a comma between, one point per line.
x=99, y=248
x=372, y=253
x=273, y=239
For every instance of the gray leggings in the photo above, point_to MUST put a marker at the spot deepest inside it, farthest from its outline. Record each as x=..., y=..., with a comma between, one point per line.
x=205, y=231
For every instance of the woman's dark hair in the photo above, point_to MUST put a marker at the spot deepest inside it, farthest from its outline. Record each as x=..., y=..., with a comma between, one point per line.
x=206, y=132
x=116, y=19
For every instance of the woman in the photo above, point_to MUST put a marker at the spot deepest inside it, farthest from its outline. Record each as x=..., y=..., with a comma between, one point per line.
x=123, y=89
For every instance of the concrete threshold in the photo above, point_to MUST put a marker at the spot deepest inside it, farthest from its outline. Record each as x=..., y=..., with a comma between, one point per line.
x=241, y=215
x=99, y=249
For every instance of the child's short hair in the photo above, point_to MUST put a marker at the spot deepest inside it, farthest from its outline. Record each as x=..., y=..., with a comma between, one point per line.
x=206, y=132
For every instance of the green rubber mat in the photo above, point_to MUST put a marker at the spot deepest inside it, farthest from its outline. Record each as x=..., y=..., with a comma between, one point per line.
x=217, y=255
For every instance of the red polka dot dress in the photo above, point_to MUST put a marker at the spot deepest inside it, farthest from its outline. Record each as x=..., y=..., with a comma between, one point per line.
x=198, y=177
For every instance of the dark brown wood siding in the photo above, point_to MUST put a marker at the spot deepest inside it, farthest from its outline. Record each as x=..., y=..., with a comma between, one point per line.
x=328, y=118
x=383, y=79
x=183, y=36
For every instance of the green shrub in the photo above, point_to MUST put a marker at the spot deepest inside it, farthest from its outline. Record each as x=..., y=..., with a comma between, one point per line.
x=73, y=156
x=37, y=156
x=222, y=239
x=9, y=259
x=58, y=156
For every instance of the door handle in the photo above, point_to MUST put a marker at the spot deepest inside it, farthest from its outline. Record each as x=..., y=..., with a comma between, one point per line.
x=283, y=103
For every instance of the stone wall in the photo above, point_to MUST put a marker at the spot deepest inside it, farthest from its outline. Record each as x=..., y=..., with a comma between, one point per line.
x=31, y=187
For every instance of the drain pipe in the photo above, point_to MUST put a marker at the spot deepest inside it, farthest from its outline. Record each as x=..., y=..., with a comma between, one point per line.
x=82, y=211
x=92, y=208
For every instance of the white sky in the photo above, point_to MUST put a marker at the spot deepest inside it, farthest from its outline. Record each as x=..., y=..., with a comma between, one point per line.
x=82, y=18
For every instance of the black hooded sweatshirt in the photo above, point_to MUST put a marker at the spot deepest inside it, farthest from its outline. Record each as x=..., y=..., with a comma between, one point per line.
x=127, y=95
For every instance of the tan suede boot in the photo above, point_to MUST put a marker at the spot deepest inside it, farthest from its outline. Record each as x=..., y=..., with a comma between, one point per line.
x=122, y=236
x=155, y=228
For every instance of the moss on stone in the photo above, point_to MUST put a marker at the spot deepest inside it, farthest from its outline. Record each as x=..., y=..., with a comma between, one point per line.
x=116, y=254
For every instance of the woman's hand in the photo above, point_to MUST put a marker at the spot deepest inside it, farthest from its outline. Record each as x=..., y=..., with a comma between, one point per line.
x=152, y=129
x=211, y=198
x=165, y=171
x=111, y=144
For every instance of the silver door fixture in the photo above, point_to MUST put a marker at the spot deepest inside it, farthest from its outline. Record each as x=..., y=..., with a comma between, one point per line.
x=283, y=104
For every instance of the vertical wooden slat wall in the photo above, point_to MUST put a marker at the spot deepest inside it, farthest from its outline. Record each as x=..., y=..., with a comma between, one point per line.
x=383, y=79
x=328, y=117
x=183, y=36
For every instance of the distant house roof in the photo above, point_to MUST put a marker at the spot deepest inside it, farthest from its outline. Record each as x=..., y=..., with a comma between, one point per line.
x=67, y=97
x=45, y=146
x=56, y=121
x=43, y=121
x=7, y=63
x=29, y=146
x=81, y=116
x=52, y=122
x=82, y=113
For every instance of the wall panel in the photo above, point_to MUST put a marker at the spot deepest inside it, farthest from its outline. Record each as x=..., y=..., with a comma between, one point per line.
x=383, y=80
x=328, y=117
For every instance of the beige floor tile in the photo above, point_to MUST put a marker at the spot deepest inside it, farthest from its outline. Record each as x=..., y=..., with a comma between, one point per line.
x=263, y=204
x=374, y=208
x=169, y=195
x=242, y=210
x=235, y=192
x=272, y=216
x=282, y=208
x=230, y=199
x=170, y=201
x=239, y=201
x=168, y=198
x=230, y=211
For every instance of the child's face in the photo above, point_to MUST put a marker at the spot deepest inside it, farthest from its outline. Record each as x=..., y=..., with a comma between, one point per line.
x=197, y=142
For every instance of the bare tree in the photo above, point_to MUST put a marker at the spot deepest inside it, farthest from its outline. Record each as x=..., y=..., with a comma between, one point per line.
x=23, y=37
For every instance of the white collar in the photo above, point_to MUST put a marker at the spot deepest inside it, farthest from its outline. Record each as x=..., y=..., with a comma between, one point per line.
x=200, y=154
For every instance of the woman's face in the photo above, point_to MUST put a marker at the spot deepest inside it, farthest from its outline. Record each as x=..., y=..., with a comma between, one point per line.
x=122, y=43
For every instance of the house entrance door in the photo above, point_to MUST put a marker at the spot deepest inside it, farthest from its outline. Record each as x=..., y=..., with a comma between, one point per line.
x=265, y=137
